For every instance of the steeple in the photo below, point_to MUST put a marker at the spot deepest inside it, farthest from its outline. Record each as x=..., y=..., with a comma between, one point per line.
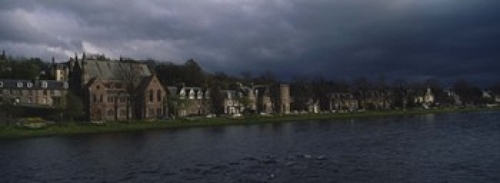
x=3, y=56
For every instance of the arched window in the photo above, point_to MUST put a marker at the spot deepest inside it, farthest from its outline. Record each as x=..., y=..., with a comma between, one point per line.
x=158, y=95
x=151, y=95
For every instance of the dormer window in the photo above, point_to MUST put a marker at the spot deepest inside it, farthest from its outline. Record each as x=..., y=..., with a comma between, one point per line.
x=191, y=94
x=182, y=94
x=199, y=95
x=29, y=84
x=19, y=84
x=44, y=84
x=1, y=84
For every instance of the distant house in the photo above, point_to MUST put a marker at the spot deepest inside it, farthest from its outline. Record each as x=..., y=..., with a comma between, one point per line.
x=33, y=93
x=313, y=106
x=454, y=97
x=266, y=99
x=232, y=102
x=59, y=71
x=343, y=102
x=376, y=100
x=425, y=98
x=193, y=101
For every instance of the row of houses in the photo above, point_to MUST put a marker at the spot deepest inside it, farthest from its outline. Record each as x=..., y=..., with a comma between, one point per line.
x=119, y=90
x=114, y=90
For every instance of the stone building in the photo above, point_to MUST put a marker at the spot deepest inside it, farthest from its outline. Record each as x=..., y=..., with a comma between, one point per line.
x=283, y=99
x=37, y=93
x=189, y=101
x=232, y=102
x=59, y=71
x=266, y=99
x=117, y=90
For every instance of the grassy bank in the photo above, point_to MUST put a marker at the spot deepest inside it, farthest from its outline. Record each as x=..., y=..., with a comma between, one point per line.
x=74, y=128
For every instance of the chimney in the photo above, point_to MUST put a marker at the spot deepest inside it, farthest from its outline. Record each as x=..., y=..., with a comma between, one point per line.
x=53, y=61
x=3, y=54
x=76, y=57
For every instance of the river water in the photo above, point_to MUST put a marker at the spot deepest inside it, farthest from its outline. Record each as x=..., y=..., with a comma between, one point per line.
x=455, y=147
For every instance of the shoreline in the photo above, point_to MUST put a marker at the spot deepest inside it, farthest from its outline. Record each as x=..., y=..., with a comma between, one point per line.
x=13, y=132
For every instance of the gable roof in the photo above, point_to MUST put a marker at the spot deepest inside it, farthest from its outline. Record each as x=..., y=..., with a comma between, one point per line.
x=109, y=70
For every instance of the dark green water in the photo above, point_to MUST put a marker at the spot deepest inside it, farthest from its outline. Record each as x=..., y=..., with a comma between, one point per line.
x=458, y=147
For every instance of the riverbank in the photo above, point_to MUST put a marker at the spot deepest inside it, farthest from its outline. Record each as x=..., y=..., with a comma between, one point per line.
x=87, y=128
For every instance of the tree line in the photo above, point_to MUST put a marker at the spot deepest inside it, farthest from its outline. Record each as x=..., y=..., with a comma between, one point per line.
x=303, y=89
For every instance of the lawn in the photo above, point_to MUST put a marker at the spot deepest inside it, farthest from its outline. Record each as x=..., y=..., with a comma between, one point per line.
x=86, y=128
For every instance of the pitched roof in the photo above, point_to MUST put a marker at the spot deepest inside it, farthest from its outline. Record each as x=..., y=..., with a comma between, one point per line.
x=30, y=84
x=110, y=70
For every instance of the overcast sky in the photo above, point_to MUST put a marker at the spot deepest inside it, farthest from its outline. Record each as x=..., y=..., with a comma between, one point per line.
x=339, y=39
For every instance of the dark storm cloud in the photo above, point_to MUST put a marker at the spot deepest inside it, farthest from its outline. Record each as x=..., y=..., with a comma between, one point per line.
x=340, y=39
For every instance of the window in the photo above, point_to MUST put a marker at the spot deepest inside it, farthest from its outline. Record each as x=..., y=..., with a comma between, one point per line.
x=110, y=99
x=191, y=94
x=1, y=92
x=44, y=84
x=57, y=101
x=19, y=84
x=1, y=84
x=158, y=111
x=52, y=92
x=151, y=95
x=151, y=111
x=158, y=95
x=100, y=98
x=44, y=92
x=182, y=94
x=123, y=112
x=111, y=112
x=94, y=98
x=29, y=84
x=123, y=99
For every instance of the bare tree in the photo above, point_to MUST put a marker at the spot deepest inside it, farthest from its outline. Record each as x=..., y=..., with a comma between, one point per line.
x=129, y=74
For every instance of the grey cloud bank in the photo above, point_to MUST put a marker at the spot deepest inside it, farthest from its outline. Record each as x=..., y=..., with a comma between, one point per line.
x=410, y=39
